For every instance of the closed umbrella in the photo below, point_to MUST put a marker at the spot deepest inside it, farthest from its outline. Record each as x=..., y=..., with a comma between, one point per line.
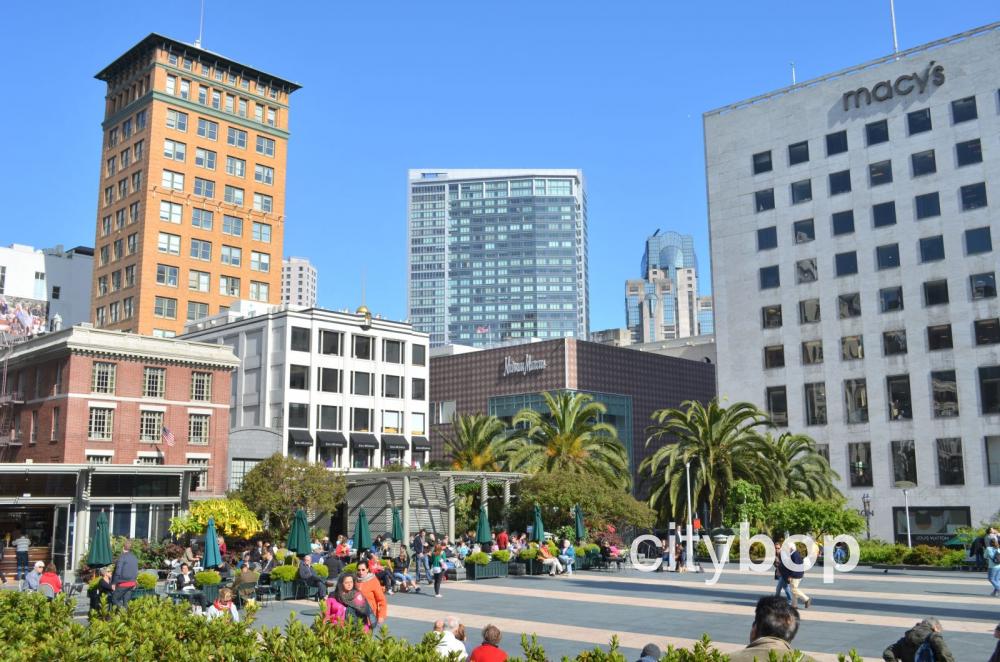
x=483, y=530
x=213, y=558
x=397, y=526
x=581, y=530
x=100, y=545
x=362, y=535
x=538, y=532
x=298, y=537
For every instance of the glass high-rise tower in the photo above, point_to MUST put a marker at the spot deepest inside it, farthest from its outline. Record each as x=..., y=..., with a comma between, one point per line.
x=497, y=255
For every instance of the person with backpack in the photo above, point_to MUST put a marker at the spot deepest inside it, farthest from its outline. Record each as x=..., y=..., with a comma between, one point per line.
x=921, y=643
x=993, y=558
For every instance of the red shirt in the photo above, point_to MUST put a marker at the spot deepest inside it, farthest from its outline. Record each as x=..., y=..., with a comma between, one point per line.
x=503, y=540
x=52, y=579
x=487, y=653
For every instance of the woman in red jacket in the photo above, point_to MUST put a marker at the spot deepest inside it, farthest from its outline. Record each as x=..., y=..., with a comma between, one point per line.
x=51, y=578
x=489, y=650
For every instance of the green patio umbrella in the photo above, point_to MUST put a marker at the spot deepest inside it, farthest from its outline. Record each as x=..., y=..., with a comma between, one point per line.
x=213, y=558
x=538, y=532
x=580, y=529
x=483, y=530
x=100, y=545
x=362, y=534
x=397, y=525
x=298, y=537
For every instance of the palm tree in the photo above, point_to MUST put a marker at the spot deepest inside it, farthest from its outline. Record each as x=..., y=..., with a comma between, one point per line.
x=475, y=442
x=569, y=438
x=721, y=443
x=803, y=472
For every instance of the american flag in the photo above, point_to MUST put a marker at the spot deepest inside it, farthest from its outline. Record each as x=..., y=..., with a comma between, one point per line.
x=167, y=436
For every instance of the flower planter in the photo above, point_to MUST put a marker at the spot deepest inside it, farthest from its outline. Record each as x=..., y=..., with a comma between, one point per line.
x=285, y=590
x=533, y=566
x=211, y=592
x=142, y=592
x=492, y=570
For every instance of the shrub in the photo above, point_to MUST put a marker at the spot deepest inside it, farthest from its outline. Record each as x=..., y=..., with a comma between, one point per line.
x=351, y=568
x=502, y=555
x=285, y=573
x=923, y=555
x=321, y=570
x=207, y=578
x=147, y=580
x=952, y=558
x=479, y=558
x=528, y=554
x=553, y=550
x=581, y=551
x=878, y=551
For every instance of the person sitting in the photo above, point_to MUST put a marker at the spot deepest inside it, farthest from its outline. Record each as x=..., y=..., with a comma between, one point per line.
x=185, y=579
x=568, y=556
x=489, y=650
x=223, y=605
x=775, y=624
x=247, y=577
x=400, y=572
x=31, y=579
x=926, y=631
x=449, y=642
x=650, y=653
x=334, y=566
x=101, y=588
x=555, y=567
x=190, y=556
x=341, y=550
x=50, y=578
x=267, y=562
x=383, y=574
x=257, y=553
x=308, y=576
x=463, y=550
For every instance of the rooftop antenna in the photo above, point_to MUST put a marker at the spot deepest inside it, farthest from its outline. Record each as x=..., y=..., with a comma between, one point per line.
x=201, y=25
x=892, y=16
x=364, y=273
x=793, y=72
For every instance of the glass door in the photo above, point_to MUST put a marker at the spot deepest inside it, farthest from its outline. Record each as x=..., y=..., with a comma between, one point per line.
x=62, y=538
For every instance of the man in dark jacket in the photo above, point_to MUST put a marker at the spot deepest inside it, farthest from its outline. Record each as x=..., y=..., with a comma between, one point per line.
x=420, y=554
x=905, y=650
x=775, y=625
x=126, y=572
x=309, y=577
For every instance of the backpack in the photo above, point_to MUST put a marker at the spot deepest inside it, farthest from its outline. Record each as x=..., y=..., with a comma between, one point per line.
x=925, y=653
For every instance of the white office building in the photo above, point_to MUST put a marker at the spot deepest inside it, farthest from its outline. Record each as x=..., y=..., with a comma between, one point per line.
x=298, y=282
x=854, y=274
x=50, y=283
x=348, y=390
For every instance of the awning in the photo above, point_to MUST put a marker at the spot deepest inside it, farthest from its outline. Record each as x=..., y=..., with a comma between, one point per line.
x=421, y=444
x=394, y=442
x=328, y=439
x=364, y=440
x=300, y=438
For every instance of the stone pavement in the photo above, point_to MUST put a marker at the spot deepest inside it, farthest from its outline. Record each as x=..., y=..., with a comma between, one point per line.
x=865, y=609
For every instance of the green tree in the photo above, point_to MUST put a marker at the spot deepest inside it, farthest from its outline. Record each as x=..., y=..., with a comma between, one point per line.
x=475, y=442
x=801, y=470
x=721, y=443
x=745, y=504
x=278, y=486
x=815, y=517
x=568, y=438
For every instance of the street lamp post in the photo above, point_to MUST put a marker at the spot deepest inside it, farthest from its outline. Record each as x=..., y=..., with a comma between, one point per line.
x=906, y=486
x=690, y=526
x=866, y=505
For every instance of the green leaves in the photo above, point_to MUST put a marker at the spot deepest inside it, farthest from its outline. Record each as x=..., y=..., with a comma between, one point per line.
x=817, y=517
x=279, y=485
x=476, y=442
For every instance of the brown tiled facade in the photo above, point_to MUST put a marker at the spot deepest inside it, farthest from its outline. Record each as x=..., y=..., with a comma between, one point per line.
x=651, y=381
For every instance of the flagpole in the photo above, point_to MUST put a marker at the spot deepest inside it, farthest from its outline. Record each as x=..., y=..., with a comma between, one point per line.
x=892, y=16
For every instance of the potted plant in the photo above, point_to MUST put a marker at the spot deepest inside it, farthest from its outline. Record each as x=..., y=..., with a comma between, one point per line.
x=480, y=565
x=529, y=557
x=282, y=578
x=145, y=584
x=208, y=582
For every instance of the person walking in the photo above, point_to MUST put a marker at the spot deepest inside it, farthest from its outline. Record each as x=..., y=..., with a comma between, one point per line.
x=21, y=546
x=370, y=587
x=792, y=576
x=419, y=547
x=782, y=585
x=927, y=631
x=438, y=568
x=993, y=559
x=996, y=651
x=978, y=552
x=124, y=578
x=355, y=606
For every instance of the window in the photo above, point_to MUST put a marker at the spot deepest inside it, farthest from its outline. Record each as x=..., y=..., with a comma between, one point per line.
x=173, y=150
x=201, y=386
x=840, y=182
x=265, y=146
x=263, y=174
x=767, y=238
x=165, y=308
x=939, y=337
x=843, y=222
x=809, y=312
x=204, y=187
x=300, y=340
x=232, y=255
x=944, y=391
x=208, y=129
x=298, y=377
x=951, y=469
x=816, y=404
x=798, y=153
x=927, y=205
x=150, y=426
x=328, y=380
x=891, y=299
x=805, y=271
x=859, y=455
x=234, y=196
x=54, y=432
x=777, y=405
x=898, y=388
x=993, y=459
x=852, y=348
x=364, y=348
x=329, y=342
x=418, y=355
x=904, y=461
x=877, y=132
x=196, y=311
x=199, y=429
x=199, y=481
x=935, y=292
x=973, y=196
x=229, y=286
x=849, y=305
x=204, y=158
x=103, y=377
x=801, y=191
x=846, y=263
x=201, y=250
x=264, y=203
x=984, y=286
x=259, y=291
x=923, y=163
x=417, y=423
x=418, y=388
x=392, y=351
x=969, y=152
x=392, y=386
x=769, y=278
x=170, y=212
x=887, y=256
x=978, y=240
x=894, y=342
x=856, y=400
x=804, y=231
x=236, y=137
x=361, y=419
x=812, y=352
x=198, y=281
x=880, y=173
x=836, y=143
x=130, y=274
x=100, y=424
x=362, y=383
x=166, y=275
x=328, y=418
x=262, y=232
x=963, y=110
x=177, y=120
x=919, y=121
x=235, y=167
x=260, y=262
x=764, y=200
x=932, y=249
x=987, y=331
x=232, y=225
x=771, y=317
x=173, y=180
x=774, y=356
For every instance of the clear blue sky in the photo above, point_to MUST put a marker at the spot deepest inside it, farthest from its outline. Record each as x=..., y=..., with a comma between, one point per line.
x=614, y=88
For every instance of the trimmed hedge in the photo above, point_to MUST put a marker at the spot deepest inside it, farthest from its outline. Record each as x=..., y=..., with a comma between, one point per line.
x=147, y=581
x=207, y=578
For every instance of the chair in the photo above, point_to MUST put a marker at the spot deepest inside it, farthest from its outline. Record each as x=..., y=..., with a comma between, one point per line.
x=244, y=592
x=302, y=590
x=265, y=590
x=74, y=589
x=47, y=591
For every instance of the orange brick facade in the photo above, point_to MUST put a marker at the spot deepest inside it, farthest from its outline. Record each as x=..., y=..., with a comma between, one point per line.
x=165, y=101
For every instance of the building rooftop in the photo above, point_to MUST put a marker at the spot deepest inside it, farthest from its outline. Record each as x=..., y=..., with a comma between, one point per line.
x=248, y=311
